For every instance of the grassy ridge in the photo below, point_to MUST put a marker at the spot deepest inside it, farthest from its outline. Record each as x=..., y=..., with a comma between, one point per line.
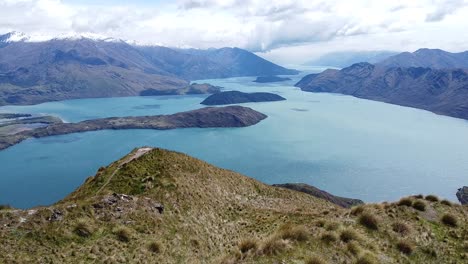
x=158, y=206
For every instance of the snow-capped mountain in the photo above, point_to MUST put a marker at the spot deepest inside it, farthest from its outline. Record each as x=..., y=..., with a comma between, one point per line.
x=13, y=37
x=16, y=36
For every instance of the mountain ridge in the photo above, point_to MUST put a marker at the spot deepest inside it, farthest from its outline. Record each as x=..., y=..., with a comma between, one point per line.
x=161, y=206
x=442, y=91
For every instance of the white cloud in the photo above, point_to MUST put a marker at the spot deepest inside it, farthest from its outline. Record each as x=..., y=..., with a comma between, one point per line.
x=279, y=27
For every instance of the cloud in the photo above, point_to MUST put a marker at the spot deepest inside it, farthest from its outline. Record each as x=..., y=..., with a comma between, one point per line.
x=257, y=25
x=444, y=8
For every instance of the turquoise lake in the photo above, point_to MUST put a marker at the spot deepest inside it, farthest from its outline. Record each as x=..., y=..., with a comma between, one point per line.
x=347, y=146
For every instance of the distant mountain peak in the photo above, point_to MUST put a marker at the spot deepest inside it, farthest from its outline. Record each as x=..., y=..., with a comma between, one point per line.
x=14, y=36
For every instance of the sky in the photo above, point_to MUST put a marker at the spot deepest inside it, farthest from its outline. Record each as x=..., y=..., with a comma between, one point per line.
x=284, y=31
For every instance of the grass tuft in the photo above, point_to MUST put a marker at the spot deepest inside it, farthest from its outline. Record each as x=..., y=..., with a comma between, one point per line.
x=329, y=237
x=405, y=202
x=405, y=247
x=247, y=245
x=155, y=247
x=357, y=210
x=348, y=235
x=5, y=207
x=446, y=202
x=419, y=205
x=123, y=234
x=273, y=246
x=293, y=233
x=370, y=221
x=401, y=228
x=432, y=198
x=83, y=229
x=449, y=220
x=353, y=248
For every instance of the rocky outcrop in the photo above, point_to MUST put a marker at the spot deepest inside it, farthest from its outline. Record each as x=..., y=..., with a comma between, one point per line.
x=236, y=97
x=462, y=195
x=305, y=188
x=229, y=116
x=440, y=91
x=269, y=79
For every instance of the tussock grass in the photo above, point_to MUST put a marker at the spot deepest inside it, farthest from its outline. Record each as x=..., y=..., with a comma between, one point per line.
x=155, y=247
x=293, y=233
x=332, y=226
x=405, y=202
x=123, y=234
x=5, y=207
x=419, y=205
x=354, y=248
x=273, y=246
x=247, y=245
x=370, y=221
x=432, y=198
x=449, y=220
x=446, y=202
x=348, y=235
x=357, y=210
x=401, y=228
x=329, y=237
x=83, y=229
x=405, y=247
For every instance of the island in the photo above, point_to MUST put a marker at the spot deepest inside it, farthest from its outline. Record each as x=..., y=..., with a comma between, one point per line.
x=269, y=79
x=236, y=97
x=194, y=88
x=229, y=116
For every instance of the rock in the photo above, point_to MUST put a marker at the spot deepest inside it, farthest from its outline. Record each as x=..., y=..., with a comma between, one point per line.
x=462, y=195
x=57, y=215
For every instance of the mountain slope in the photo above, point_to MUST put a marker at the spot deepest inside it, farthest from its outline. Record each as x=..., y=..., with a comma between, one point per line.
x=193, y=64
x=158, y=206
x=443, y=91
x=428, y=58
x=68, y=68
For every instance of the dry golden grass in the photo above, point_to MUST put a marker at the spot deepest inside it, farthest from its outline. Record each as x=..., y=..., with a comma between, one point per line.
x=370, y=221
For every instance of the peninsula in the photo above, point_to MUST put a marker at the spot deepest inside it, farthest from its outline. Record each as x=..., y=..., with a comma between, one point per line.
x=230, y=116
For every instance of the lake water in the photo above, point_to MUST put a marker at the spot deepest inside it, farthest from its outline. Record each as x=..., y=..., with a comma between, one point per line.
x=347, y=146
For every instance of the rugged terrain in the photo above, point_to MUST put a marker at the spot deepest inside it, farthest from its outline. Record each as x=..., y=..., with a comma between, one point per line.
x=236, y=97
x=229, y=116
x=158, y=206
x=59, y=69
x=442, y=91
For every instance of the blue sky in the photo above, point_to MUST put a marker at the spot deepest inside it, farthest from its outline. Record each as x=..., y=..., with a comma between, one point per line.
x=285, y=31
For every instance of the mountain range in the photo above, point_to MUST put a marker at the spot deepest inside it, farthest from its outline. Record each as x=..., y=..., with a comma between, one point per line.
x=427, y=58
x=345, y=58
x=66, y=68
x=440, y=85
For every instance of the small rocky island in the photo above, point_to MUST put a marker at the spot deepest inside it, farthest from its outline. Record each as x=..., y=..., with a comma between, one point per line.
x=269, y=79
x=229, y=116
x=236, y=97
x=194, y=88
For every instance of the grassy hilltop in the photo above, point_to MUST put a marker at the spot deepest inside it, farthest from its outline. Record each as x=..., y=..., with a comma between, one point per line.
x=159, y=206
